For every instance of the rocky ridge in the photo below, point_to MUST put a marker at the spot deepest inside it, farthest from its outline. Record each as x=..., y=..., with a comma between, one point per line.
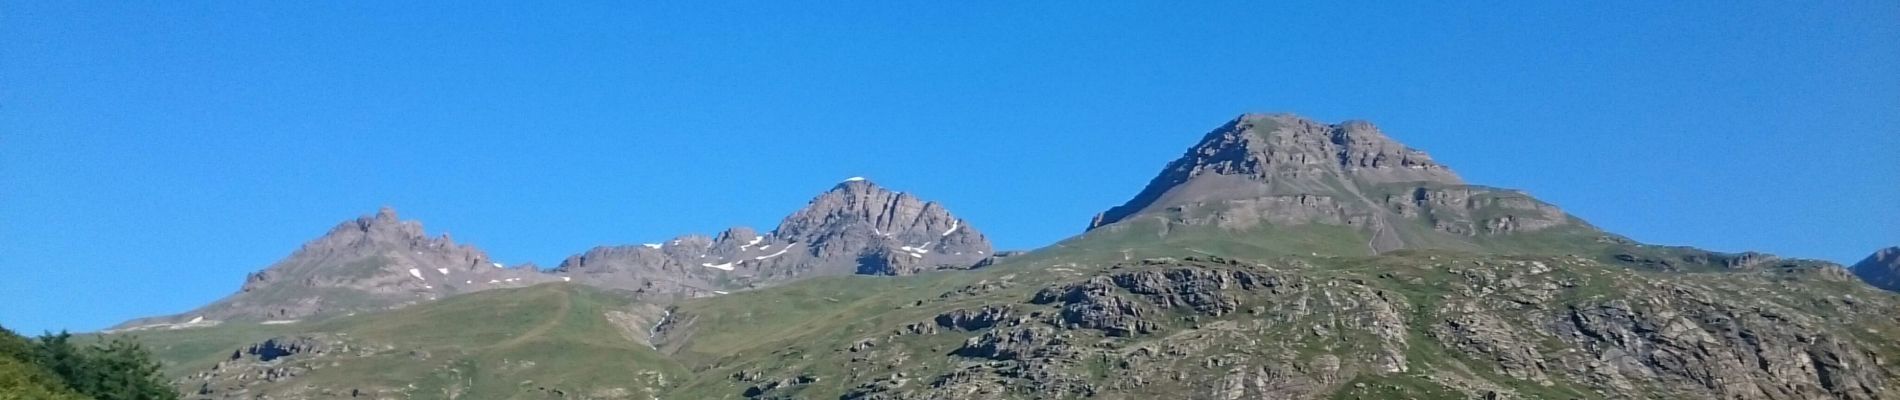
x=379, y=261
x=857, y=227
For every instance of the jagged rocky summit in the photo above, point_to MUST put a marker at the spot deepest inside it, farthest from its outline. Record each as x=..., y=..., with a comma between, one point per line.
x=371, y=263
x=857, y=227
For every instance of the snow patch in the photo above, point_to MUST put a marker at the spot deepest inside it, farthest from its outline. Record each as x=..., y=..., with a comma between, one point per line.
x=915, y=255
x=725, y=266
x=497, y=265
x=651, y=245
x=755, y=241
x=567, y=279
x=444, y=271
x=278, y=322
x=954, y=224
x=779, y=253
x=415, y=273
x=197, y=319
x=854, y=179
x=493, y=281
x=721, y=292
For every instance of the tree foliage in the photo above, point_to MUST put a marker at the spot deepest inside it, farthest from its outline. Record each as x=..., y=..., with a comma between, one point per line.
x=54, y=367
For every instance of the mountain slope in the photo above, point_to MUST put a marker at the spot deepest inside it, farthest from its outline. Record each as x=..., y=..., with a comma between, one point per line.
x=373, y=262
x=856, y=227
x=549, y=341
x=1283, y=259
x=1407, y=324
x=1882, y=269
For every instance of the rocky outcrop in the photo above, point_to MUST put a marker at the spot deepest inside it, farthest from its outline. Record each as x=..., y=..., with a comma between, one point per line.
x=274, y=360
x=1419, y=325
x=1882, y=269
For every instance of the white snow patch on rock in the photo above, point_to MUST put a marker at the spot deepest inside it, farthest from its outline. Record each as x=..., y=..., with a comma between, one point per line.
x=652, y=245
x=779, y=253
x=725, y=266
x=854, y=179
x=444, y=271
x=954, y=224
x=415, y=273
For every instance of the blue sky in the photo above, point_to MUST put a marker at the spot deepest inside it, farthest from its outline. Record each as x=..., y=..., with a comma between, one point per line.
x=152, y=153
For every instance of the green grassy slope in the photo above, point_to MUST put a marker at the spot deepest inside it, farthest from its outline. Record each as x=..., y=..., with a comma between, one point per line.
x=544, y=340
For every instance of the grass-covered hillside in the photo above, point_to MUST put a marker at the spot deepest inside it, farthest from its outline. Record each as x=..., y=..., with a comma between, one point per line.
x=1421, y=324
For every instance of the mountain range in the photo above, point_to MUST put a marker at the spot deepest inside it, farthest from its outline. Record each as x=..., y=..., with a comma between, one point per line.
x=380, y=262
x=1278, y=257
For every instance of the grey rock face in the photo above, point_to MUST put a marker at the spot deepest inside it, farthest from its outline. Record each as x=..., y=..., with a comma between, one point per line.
x=856, y=227
x=1283, y=171
x=1882, y=269
x=373, y=262
x=1280, y=154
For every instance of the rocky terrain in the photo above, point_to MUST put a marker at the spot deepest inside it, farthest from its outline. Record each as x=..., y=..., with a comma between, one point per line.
x=1280, y=258
x=1417, y=325
x=1882, y=269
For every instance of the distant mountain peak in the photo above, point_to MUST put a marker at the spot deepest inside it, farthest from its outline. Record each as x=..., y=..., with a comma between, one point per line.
x=370, y=262
x=1263, y=154
x=855, y=226
x=1881, y=269
x=1284, y=171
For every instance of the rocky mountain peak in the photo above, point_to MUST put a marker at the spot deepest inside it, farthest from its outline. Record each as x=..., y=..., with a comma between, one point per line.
x=856, y=226
x=371, y=262
x=1286, y=172
x=1268, y=154
x=384, y=228
x=1882, y=269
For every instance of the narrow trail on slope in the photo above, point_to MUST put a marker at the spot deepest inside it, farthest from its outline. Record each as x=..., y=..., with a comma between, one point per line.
x=1384, y=238
x=560, y=315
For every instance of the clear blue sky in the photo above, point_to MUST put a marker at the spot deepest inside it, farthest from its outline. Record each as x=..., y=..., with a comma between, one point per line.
x=152, y=153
